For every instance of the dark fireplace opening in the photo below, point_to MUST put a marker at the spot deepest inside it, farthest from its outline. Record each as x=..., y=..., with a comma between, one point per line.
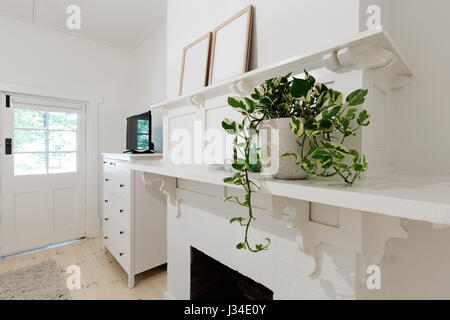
x=212, y=280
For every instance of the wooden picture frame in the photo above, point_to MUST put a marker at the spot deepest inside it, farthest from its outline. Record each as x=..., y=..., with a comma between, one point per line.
x=231, y=38
x=196, y=57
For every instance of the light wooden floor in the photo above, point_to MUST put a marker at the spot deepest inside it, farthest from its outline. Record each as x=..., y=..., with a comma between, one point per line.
x=101, y=275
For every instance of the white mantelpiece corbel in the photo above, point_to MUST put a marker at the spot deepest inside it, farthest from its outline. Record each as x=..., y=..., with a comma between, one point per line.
x=364, y=234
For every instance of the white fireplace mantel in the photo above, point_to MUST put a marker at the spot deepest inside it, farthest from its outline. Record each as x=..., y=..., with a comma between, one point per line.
x=402, y=194
x=321, y=260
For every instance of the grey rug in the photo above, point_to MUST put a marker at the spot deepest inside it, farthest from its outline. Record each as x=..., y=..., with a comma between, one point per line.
x=41, y=281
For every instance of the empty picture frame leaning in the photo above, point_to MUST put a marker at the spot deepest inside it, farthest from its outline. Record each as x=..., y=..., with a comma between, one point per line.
x=195, y=65
x=231, y=47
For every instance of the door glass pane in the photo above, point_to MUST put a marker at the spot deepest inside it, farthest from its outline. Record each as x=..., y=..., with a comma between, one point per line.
x=29, y=164
x=62, y=120
x=33, y=119
x=29, y=140
x=62, y=141
x=62, y=162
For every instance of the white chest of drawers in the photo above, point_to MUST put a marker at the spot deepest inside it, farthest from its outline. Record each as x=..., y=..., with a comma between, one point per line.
x=134, y=218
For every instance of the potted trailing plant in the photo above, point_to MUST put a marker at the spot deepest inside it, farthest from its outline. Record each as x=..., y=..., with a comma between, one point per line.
x=326, y=122
x=319, y=122
x=274, y=106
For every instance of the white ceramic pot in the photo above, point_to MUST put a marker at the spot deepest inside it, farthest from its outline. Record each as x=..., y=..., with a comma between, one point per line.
x=276, y=139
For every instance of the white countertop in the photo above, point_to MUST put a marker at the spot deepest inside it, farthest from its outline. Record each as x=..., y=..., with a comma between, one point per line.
x=417, y=196
x=132, y=156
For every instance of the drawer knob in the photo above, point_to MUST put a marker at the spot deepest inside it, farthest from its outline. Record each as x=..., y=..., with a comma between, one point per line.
x=106, y=219
x=122, y=232
x=121, y=210
x=106, y=180
x=104, y=162
x=121, y=254
x=122, y=185
x=106, y=201
x=106, y=238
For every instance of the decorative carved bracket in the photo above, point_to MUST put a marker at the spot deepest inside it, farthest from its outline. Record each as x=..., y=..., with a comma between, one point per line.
x=365, y=234
x=366, y=57
x=167, y=186
x=241, y=88
x=295, y=214
x=196, y=101
x=377, y=231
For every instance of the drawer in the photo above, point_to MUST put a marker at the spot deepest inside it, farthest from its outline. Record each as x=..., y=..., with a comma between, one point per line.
x=108, y=203
x=113, y=163
x=118, y=210
x=123, y=257
x=117, y=182
x=119, y=246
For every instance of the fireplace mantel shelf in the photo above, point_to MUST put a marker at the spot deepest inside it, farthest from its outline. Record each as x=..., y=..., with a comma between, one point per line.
x=375, y=47
x=403, y=194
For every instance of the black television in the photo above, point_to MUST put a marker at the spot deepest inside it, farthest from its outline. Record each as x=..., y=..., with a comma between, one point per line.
x=139, y=134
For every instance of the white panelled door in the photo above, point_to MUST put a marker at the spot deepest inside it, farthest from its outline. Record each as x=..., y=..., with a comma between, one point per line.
x=42, y=173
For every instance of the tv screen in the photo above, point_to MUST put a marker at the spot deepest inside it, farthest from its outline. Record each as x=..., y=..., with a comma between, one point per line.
x=139, y=133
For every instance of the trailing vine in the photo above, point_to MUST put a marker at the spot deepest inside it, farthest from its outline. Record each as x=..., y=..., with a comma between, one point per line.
x=245, y=160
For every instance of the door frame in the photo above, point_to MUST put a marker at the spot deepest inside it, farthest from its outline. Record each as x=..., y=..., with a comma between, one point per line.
x=93, y=212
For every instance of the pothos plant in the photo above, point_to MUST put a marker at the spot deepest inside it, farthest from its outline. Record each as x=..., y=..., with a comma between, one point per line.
x=325, y=123
x=320, y=121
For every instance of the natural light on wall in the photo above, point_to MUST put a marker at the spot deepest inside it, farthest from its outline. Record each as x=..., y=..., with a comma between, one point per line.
x=45, y=141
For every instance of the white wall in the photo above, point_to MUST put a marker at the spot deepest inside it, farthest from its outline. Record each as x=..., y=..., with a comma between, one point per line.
x=46, y=59
x=423, y=108
x=282, y=28
x=148, y=79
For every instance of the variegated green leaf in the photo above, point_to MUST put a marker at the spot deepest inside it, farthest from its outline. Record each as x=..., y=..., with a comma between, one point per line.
x=297, y=127
x=357, y=97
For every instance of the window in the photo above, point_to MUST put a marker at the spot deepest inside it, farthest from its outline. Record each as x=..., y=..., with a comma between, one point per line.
x=45, y=142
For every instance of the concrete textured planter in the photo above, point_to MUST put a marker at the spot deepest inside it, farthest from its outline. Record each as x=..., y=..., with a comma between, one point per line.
x=277, y=139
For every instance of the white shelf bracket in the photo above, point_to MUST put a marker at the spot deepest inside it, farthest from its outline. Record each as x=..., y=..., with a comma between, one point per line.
x=196, y=101
x=167, y=186
x=295, y=215
x=244, y=87
x=376, y=58
x=241, y=88
x=379, y=231
x=331, y=62
x=346, y=57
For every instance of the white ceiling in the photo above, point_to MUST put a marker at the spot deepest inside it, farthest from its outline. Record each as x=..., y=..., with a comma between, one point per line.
x=118, y=23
